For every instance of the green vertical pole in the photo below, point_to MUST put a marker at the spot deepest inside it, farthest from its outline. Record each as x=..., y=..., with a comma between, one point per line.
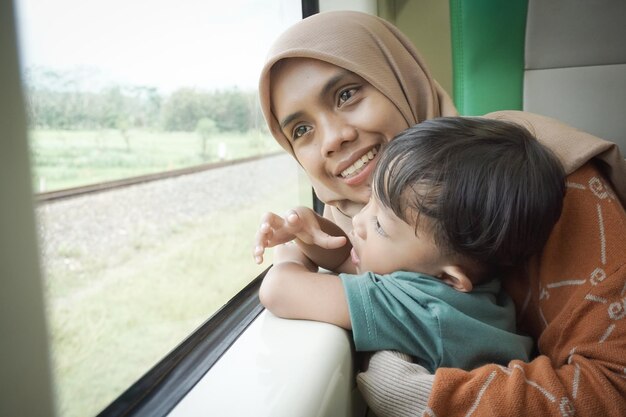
x=488, y=54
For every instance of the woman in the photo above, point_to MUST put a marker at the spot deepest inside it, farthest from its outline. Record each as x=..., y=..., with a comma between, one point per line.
x=336, y=88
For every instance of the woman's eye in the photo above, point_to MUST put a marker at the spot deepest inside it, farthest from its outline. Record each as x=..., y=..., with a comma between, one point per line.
x=346, y=95
x=300, y=131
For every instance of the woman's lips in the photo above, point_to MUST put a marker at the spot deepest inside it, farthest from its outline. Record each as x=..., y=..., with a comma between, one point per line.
x=364, y=175
x=359, y=163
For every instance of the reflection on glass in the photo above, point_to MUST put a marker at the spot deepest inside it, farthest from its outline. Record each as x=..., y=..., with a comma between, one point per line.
x=117, y=89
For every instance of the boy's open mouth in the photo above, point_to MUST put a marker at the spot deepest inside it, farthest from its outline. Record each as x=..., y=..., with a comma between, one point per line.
x=354, y=257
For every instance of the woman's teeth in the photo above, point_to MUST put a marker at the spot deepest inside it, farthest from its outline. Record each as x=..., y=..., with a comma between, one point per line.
x=360, y=163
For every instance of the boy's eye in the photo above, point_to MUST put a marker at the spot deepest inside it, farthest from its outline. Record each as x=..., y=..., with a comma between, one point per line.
x=346, y=95
x=378, y=228
x=300, y=131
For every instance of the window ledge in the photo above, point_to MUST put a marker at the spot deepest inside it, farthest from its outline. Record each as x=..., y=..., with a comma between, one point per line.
x=279, y=368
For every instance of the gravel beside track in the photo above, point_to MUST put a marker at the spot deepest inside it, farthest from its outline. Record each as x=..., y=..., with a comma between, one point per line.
x=99, y=223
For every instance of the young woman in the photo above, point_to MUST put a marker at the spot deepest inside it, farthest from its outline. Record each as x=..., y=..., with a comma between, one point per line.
x=336, y=88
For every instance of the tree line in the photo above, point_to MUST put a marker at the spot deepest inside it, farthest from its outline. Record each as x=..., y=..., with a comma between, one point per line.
x=57, y=100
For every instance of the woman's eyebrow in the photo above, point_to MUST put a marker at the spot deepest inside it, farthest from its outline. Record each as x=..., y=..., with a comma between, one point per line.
x=329, y=85
x=290, y=118
x=333, y=81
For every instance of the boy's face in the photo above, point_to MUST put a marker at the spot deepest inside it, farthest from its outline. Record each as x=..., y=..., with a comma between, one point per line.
x=383, y=243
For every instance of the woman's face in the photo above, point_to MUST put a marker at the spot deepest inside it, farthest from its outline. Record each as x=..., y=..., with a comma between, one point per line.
x=336, y=122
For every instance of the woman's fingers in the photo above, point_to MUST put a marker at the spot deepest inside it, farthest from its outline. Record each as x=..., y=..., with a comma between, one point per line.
x=335, y=242
x=273, y=231
x=263, y=236
x=327, y=241
x=298, y=223
x=260, y=243
x=258, y=259
x=304, y=222
x=273, y=221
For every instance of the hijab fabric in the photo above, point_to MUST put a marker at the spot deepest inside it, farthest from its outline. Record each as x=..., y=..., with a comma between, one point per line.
x=368, y=46
x=573, y=147
x=378, y=52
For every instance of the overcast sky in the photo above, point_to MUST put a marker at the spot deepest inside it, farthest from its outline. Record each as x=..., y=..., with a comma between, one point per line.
x=162, y=43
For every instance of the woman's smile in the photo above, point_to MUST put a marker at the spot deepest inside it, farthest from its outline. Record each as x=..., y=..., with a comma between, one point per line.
x=361, y=169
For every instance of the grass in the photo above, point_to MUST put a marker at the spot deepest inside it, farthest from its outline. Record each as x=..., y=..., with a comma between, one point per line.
x=68, y=158
x=111, y=319
x=107, y=335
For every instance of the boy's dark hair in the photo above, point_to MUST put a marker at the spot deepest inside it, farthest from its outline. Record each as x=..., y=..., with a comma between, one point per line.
x=492, y=192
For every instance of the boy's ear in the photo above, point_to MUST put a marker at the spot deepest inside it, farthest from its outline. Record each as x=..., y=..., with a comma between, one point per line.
x=455, y=276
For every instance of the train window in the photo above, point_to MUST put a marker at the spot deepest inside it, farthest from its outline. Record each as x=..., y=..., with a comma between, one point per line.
x=123, y=99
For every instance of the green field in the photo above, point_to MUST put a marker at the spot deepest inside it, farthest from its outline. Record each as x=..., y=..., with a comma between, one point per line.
x=112, y=318
x=106, y=334
x=71, y=158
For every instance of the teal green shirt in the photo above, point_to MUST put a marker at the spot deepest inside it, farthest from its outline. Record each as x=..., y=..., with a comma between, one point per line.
x=441, y=327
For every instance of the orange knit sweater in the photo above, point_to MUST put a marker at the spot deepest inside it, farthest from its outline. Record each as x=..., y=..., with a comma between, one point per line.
x=572, y=300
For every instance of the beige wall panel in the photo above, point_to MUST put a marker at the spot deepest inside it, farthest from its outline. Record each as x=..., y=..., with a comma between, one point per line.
x=427, y=24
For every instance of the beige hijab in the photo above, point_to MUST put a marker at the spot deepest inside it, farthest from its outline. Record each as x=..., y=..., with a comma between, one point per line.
x=368, y=46
x=573, y=147
x=379, y=53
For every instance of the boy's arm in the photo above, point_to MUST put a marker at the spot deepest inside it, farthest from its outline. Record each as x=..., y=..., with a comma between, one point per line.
x=291, y=291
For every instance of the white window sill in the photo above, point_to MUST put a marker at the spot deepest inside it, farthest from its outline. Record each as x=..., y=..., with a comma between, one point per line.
x=279, y=368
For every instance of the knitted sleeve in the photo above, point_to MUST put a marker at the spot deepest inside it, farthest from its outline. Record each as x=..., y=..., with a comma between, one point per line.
x=574, y=303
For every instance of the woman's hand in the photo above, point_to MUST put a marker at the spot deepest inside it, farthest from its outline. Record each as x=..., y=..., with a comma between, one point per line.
x=300, y=224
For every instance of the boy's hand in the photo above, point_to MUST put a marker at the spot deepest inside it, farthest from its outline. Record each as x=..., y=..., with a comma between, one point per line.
x=300, y=223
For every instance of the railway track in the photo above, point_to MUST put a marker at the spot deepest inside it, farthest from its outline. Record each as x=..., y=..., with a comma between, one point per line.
x=67, y=193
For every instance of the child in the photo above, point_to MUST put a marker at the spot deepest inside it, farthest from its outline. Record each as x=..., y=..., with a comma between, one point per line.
x=455, y=203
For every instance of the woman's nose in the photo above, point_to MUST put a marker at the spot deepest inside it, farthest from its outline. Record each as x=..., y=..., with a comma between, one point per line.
x=336, y=134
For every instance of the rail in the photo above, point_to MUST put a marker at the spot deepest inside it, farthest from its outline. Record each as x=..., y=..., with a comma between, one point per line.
x=125, y=182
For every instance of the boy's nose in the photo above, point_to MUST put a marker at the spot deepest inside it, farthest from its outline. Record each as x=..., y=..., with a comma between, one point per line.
x=357, y=226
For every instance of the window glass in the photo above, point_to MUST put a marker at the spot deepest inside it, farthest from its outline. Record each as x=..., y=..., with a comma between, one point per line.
x=118, y=89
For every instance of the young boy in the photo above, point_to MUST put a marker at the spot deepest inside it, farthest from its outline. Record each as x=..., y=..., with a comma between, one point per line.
x=456, y=203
